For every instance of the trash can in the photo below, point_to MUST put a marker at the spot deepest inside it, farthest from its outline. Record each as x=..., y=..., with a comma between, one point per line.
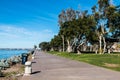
x=32, y=52
x=24, y=58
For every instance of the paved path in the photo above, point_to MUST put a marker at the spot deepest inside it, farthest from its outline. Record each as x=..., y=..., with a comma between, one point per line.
x=50, y=67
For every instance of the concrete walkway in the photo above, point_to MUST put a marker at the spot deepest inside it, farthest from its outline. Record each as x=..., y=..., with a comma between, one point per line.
x=50, y=67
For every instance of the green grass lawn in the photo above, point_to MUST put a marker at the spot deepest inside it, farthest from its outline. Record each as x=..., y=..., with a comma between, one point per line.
x=110, y=61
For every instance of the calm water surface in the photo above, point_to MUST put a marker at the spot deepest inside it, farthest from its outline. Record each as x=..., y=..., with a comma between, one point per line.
x=4, y=54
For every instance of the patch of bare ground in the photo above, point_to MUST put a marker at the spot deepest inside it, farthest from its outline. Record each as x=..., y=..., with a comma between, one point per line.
x=111, y=65
x=15, y=72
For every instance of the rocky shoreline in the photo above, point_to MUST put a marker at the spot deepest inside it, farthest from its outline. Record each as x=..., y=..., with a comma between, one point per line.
x=12, y=68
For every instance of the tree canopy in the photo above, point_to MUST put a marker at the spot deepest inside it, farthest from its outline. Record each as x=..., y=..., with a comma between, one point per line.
x=79, y=30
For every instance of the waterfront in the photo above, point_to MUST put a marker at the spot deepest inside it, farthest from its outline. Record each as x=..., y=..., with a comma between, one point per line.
x=4, y=54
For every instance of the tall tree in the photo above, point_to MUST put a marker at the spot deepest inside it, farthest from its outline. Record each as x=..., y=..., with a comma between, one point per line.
x=56, y=43
x=86, y=29
x=113, y=15
x=100, y=14
x=76, y=31
x=45, y=46
x=64, y=18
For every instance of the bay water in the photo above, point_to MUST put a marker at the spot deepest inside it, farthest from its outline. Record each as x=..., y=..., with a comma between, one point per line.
x=4, y=54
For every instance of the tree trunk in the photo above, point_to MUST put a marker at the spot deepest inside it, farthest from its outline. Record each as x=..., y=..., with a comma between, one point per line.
x=108, y=51
x=91, y=48
x=69, y=48
x=84, y=47
x=96, y=51
x=78, y=52
x=100, y=44
x=78, y=48
x=52, y=49
x=63, y=42
x=104, y=49
x=60, y=50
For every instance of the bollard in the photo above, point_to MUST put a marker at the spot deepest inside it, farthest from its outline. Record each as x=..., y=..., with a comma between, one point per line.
x=33, y=56
x=28, y=68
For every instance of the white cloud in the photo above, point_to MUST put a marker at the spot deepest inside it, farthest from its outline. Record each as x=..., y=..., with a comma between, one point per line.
x=4, y=34
x=47, y=31
x=22, y=37
x=13, y=29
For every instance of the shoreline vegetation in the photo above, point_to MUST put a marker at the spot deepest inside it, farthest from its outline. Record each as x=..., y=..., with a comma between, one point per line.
x=109, y=61
x=15, y=68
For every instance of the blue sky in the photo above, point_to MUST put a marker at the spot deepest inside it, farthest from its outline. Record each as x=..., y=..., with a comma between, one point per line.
x=25, y=23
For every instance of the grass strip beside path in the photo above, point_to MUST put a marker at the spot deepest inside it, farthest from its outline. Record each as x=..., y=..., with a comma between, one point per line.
x=110, y=61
